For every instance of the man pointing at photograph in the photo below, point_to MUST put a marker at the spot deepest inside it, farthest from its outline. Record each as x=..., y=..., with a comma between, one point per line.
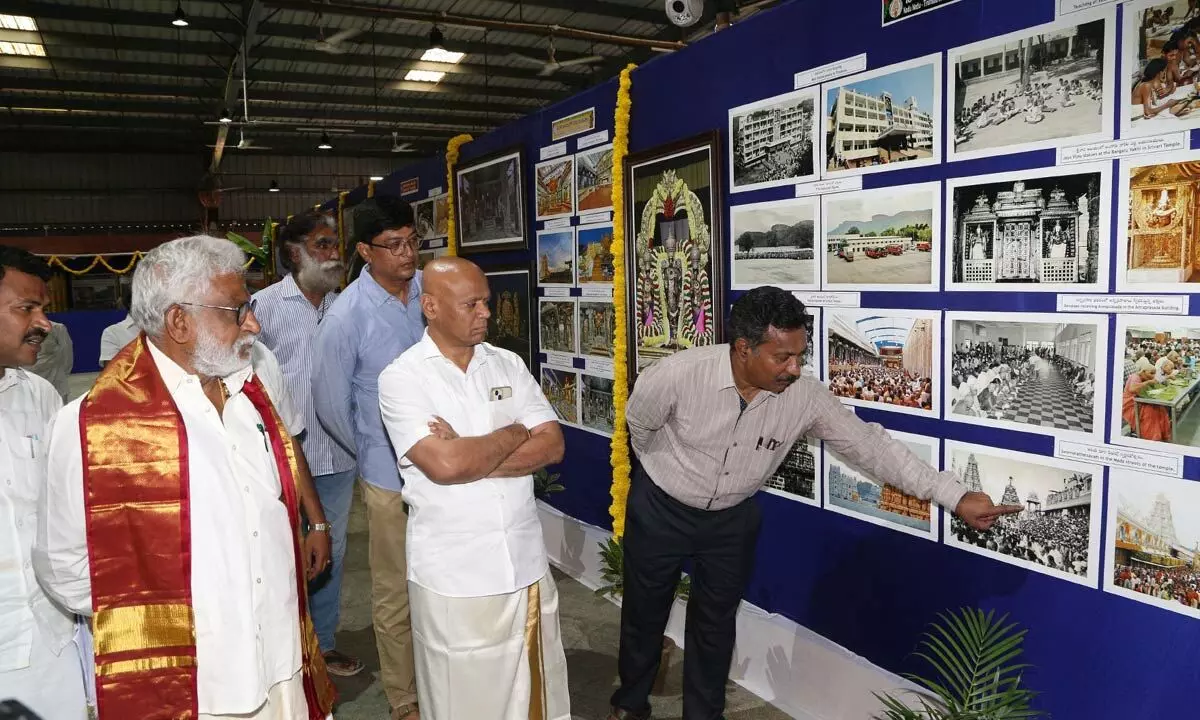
x=709, y=425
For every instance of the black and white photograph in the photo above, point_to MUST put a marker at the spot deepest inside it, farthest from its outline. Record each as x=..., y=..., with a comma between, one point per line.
x=772, y=142
x=1042, y=230
x=423, y=215
x=851, y=491
x=1058, y=532
x=775, y=243
x=1041, y=87
x=816, y=335
x=1158, y=238
x=888, y=238
x=885, y=119
x=597, y=328
x=1159, y=383
x=796, y=477
x=884, y=359
x=1160, y=66
x=596, y=410
x=556, y=325
x=1152, y=549
x=560, y=385
x=491, y=203
x=1034, y=372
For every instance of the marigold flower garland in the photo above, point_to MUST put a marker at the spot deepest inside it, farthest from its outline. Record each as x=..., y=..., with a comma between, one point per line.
x=371, y=189
x=621, y=467
x=451, y=160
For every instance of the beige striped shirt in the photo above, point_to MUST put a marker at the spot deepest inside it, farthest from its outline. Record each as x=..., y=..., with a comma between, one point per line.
x=695, y=442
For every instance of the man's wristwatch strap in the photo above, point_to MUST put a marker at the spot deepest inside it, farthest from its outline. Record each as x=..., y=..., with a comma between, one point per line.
x=324, y=527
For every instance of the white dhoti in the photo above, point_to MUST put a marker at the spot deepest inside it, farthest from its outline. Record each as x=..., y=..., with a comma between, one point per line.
x=498, y=657
x=285, y=701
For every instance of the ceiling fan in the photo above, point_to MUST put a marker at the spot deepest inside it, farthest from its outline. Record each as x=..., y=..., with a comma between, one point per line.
x=333, y=43
x=399, y=147
x=551, y=65
x=244, y=143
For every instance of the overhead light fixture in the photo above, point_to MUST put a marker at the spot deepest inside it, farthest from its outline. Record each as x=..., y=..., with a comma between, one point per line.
x=325, y=144
x=428, y=76
x=442, y=55
x=376, y=178
x=180, y=16
x=225, y=117
x=20, y=48
x=274, y=186
x=18, y=22
x=437, y=41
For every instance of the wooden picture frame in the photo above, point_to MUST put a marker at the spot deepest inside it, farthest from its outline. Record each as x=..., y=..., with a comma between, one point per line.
x=491, y=185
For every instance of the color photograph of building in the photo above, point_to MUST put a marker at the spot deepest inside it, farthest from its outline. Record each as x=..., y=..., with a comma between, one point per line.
x=851, y=491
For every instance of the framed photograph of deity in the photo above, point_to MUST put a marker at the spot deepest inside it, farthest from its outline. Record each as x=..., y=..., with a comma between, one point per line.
x=884, y=359
x=554, y=188
x=1152, y=549
x=1157, y=378
x=773, y=142
x=1058, y=532
x=851, y=491
x=1158, y=236
x=596, y=325
x=797, y=477
x=490, y=203
x=889, y=118
x=560, y=385
x=1160, y=67
x=594, y=255
x=1040, y=230
x=675, y=249
x=511, y=305
x=593, y=179
x=1042, y=87
x=1032, y=372
x=776, y=243
x=887, y=238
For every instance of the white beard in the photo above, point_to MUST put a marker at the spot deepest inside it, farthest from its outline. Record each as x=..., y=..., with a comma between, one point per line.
x=212, y=359
x=322, y=277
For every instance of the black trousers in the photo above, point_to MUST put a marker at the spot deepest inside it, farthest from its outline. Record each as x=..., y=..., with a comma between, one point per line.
x=660, y=533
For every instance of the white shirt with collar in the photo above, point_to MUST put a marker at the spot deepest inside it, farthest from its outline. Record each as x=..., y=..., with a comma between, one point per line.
x=474, y=539
x=27, y=406
x=243, y=565
x=115, y=337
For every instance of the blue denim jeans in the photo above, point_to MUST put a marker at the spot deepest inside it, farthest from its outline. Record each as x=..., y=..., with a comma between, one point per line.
x=336, y=491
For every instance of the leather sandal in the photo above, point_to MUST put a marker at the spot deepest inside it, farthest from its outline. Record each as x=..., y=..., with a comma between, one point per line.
x=408, y=711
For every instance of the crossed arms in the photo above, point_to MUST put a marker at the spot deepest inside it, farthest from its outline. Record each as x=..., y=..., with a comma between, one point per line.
x=511, y=451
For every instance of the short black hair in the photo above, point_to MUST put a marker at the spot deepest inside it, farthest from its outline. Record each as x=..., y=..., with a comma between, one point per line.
x=1153, y=68
x=296, y=232
x=381, y=213
x=23, y=261
x=765, y=307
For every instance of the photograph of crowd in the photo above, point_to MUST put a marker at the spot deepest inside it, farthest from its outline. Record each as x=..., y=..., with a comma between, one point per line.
x=1160, y=66
x=1041, y=87
x=1158, y=238
x=850, y=491
x=593, y=179
x=1058, y=532
x=884, y=119
x=596, y=328
x=772, y=141
x=774, y=243
x=1153, y=546
x=1035, y=373
x=596, y=404
x=1159, y=383
x=594, y=254
x=556, y=325
x=491, y=203
x=884, y=359
x=1030, y=230
x=556, y=258
x=561, y=388
x=796, y=476
x=887, y=238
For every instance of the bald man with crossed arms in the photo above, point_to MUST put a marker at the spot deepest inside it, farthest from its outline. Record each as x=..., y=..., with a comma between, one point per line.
x=470, y=425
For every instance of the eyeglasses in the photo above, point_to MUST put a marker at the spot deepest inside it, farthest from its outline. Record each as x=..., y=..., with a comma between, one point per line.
x=243, y=311
x=410, y=245
x=325, y=245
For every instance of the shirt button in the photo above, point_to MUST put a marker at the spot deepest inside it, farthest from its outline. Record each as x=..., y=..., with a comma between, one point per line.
x=255, y=533
x=726, y=473
x=20, y=523
x=258, y=580
x=247, y=488
x=235, y=447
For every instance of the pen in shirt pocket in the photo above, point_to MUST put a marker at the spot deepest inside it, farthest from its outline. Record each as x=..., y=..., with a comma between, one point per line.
x=263, y=430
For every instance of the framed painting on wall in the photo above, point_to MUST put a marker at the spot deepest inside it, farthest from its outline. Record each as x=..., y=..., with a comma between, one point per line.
x=490, y=203
x=673, y=241
x=510, y=303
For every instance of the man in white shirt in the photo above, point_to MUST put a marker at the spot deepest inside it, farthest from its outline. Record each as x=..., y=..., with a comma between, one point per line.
x=56, y=359
x=119, y=334
x=207, y=591
x=39, y=664
x=484, y=607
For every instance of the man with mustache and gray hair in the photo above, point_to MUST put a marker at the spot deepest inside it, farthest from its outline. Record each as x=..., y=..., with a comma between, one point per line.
x=171, y=513
x=289, y=312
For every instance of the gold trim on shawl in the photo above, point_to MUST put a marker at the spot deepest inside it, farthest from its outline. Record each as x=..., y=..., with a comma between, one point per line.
x=142, y=627
x=161, y=662
x=533, y=650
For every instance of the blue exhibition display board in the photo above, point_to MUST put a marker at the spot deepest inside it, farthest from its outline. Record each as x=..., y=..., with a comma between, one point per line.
x=1009, y=262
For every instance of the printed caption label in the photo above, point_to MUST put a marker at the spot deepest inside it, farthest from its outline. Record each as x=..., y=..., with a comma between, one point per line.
x=1066, y=7
x=599, y=366
x=1142, y=304
x=598, y=293
x=587, y=141
x=437, y=243
x=410, y=186
x=830, y=71
x=556, y=292
x=1140, y=460
x=1110, y=150
x=562, y=360
x=830, y=299
x=600, y=217
x=825, y=187
x=557, y=223
x=553, y=151
x=434, y=192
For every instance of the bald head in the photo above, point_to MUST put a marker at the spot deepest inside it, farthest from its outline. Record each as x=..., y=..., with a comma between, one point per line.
x=455, y=301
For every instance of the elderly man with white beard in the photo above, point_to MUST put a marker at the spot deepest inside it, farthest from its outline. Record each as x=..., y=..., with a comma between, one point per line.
x=171, y=514
x=289, y=312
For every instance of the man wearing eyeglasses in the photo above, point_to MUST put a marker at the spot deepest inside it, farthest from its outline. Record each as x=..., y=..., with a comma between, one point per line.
x=289, y=312
x=375, y=319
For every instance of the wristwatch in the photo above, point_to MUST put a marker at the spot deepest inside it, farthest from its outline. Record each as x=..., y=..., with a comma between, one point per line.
x=324, y=527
